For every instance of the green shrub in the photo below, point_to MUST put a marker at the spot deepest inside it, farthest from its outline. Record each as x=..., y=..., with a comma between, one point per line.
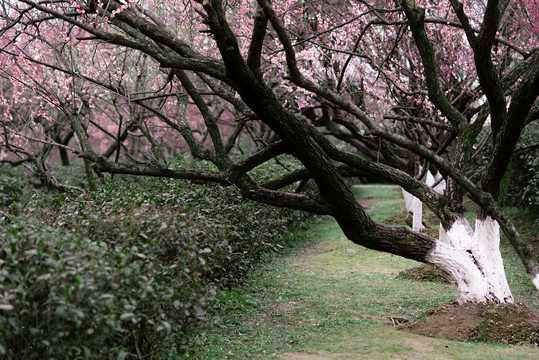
x=524, y=184
x=13, y=186
x=128, y=269
x=67, y=297
x=166, y=214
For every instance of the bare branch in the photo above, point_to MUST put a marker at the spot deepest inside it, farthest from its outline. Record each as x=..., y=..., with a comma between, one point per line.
x=420, y=121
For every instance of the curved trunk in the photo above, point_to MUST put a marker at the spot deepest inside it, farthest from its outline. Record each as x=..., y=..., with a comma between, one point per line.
x=473, y=261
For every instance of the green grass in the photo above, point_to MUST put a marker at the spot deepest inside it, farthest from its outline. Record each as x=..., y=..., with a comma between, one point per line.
x=330, y=299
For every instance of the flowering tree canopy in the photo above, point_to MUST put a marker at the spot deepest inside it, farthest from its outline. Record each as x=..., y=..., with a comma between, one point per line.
x=394, y=90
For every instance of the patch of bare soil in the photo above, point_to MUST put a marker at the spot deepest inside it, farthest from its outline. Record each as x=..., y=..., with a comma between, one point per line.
x=397, y=219
x=514, y=324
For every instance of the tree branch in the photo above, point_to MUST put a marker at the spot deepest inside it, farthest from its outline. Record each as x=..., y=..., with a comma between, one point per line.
x=420, y=121
x=238, y=170
x=416, y=17
x=257, y=41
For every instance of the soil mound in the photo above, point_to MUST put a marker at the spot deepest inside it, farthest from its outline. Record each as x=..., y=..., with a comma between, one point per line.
x=425, y=272
x=514, y=324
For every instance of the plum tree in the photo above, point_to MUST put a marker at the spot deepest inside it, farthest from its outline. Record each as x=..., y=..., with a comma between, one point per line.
x=347, y=87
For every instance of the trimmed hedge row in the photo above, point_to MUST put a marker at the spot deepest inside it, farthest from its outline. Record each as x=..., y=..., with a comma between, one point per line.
x=125, y=271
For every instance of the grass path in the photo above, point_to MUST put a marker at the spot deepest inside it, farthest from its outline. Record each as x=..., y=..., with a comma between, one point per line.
x=331, y=299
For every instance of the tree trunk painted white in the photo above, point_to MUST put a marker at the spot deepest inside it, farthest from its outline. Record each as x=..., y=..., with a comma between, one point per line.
x=414, y=206
x=535, y=281
x=474, y=261
x=436, y=181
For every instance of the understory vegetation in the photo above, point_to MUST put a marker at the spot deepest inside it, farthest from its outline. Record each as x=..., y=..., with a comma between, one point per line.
x=523, y=190
x=332, y=299
x=125, y=271
x=161, y=269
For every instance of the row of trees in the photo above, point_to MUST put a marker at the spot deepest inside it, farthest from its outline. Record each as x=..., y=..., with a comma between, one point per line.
x=401, y=91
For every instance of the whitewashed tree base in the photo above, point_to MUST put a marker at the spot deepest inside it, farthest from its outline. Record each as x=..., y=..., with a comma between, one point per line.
x=535, y=281
x=474, y=261
x=414, y=206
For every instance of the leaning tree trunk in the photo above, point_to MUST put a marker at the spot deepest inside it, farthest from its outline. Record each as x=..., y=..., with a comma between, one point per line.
x=473, y=260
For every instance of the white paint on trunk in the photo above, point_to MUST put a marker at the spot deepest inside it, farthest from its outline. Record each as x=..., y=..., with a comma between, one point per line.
x=431, y=180
x=417, y=212
x=414, y=206
x=407, y=199
x=459, y=235
x=442, y=235
x=465, y=276
x=535, y=280
x=473, y=260
x=486, y=249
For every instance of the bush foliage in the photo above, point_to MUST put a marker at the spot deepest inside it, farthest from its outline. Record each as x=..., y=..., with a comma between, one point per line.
x=13, y=186
x=125, y=271
x=524, y=186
